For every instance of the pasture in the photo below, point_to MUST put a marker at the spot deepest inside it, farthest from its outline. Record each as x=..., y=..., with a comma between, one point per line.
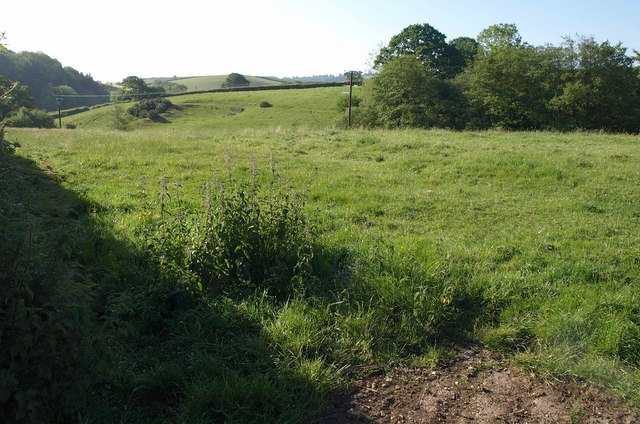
x=528, y=243
x=308, y=108
x=214, y=82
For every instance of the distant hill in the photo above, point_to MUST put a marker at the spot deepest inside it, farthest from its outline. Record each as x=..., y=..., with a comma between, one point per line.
x=214, y=82
x=46, y=77
x=308, y=107
x=315, y=78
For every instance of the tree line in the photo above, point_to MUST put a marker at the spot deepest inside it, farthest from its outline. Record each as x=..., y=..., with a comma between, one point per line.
x=499, y=81
x=45, y=78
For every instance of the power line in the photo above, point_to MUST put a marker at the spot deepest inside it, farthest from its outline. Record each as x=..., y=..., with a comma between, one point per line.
x=157, y=93
x=82, y=95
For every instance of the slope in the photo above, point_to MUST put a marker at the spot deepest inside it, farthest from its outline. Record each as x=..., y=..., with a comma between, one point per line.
x=311, y=108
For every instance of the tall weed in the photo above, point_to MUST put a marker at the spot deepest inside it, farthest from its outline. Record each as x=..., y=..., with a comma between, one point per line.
x=244, y=239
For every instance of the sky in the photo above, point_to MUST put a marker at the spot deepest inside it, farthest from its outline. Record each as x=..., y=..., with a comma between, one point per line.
x=114, y=39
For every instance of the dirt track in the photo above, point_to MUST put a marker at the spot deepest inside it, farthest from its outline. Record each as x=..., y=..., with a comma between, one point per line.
x=476, y=387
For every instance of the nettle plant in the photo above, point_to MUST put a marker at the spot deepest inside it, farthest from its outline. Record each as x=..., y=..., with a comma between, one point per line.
x=246, y=238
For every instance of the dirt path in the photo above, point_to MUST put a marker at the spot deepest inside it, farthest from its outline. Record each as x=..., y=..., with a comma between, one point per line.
x=476, y=387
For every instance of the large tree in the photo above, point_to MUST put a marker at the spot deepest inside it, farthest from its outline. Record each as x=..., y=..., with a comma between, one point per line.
x=510, y=82
x=500, y=36
x=134, y=85
x=426, y=44
x=235, y=79
x=404, y=94
x=601, y=89
x=467, y=47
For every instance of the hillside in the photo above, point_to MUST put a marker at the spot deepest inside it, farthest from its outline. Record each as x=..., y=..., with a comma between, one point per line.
x=46, y=77
x=214, y=82
x=309, y=108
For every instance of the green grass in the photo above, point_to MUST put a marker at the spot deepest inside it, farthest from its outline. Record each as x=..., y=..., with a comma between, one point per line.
x=306, y=108
x=214, y=82
x=528, y=242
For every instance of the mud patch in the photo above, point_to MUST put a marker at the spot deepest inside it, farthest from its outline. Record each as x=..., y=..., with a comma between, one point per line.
x=476, y=387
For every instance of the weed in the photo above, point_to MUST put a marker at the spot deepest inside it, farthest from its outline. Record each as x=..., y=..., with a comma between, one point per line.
x=243, y=240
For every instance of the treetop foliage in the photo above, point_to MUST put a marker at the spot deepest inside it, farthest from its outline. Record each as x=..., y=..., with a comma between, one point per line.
x=500, y=36
x=134, y=85
x=499, y=81
x=428, y=45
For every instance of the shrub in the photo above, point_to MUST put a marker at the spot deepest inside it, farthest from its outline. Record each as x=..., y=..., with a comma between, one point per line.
x=30, y=118
x=150, y=108
x=233, y=110
x=343, y=102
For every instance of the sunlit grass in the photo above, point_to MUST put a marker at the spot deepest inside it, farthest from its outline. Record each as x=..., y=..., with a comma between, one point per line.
x=532, y=238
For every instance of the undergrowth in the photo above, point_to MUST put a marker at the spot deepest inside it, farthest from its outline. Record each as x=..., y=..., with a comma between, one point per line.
x=45, y=314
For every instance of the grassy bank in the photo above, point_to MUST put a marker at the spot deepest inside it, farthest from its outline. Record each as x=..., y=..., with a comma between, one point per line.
x=527, y=242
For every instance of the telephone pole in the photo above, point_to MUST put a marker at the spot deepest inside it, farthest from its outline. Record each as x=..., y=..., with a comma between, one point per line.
x=350, y=94
x=59, y=100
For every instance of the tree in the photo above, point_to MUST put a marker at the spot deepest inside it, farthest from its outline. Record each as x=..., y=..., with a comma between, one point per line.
x=499, y=36
x=42, y=75
x=510, y=82
x=134, y=86
x=356, y=75
x=13, y=96
x=400, y=93
x=236, y=80
x=428, y=46
x=3, y=90
x=467, y=48
x=601, y=89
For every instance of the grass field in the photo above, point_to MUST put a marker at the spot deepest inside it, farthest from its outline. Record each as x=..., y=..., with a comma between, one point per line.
x=526, y=242
x=309, y=108
x=214, y=82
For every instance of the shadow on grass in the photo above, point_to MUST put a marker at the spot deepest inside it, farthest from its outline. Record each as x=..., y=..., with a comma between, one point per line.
x=161, y=120
x=88, y=330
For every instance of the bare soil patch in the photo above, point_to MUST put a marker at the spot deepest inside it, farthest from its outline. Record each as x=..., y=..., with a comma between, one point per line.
x=475, y=387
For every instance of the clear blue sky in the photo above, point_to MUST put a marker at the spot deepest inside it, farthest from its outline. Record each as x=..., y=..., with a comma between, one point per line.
x=116, y=38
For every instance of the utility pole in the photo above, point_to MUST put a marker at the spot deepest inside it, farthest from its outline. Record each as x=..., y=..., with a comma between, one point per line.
x=350, y=94
x=59, y=100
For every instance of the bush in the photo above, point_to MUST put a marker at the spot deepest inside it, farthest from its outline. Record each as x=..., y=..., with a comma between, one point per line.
x=343, y=102
x=150, y=108
x=30, y=118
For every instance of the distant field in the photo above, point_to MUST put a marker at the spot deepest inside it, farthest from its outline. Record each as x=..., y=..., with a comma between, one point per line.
x=309, y=108
x=214, y=82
